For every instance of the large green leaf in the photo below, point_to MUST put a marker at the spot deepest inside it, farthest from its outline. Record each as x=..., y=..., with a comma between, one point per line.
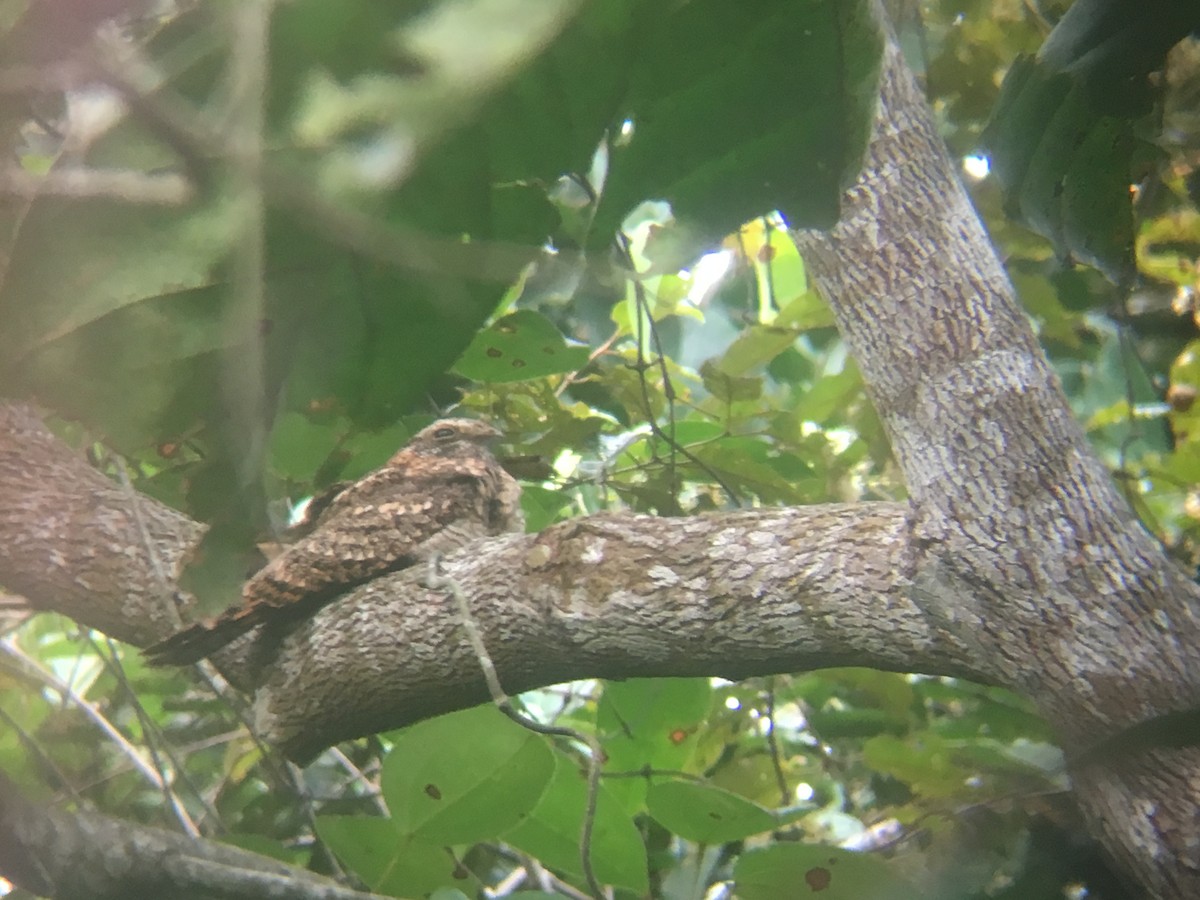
x=806, y=870
x=389, y=862
x=465, y=777
x=1062, y=134
x=729, y=102
x=649, y=724
x=521, y=345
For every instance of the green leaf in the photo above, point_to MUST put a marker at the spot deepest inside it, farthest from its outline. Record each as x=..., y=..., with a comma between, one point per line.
x=747, y=463
x=836, y=724
x=706, y=814
x=464, y=777
x=266, y=846
x=520, y=346
x=830, y=396
x=649, y=724
x=389, y=862
x=926, y=762
x=543, y=506
x=1065, y=166
x=551, y=833
x=754, y=347
x=823, y=873
x=457, y=55
x=121, y=256
x=727, y=387
x=709, y=132
x=299, y=446
x=805, y=312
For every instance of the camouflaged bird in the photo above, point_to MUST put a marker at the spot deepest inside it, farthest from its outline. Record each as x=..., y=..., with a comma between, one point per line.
x=440, y=491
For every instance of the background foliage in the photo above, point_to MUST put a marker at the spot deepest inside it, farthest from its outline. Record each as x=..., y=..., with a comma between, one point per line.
x=568, y=218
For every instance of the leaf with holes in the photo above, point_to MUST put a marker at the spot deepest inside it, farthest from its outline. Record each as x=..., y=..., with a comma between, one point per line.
x=520, y=346
x=809, y=870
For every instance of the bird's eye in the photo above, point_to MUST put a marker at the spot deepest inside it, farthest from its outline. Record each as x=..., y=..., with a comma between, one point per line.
x=443, y=434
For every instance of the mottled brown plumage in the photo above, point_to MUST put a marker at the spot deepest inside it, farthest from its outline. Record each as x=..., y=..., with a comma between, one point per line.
x=440, y=491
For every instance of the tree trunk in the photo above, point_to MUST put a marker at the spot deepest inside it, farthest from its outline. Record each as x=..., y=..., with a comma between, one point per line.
x=1021, y=545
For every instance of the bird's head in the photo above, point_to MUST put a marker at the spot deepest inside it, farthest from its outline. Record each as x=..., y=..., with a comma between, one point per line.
x=452, y=437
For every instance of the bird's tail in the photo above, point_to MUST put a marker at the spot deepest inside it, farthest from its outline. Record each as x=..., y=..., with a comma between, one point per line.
x=197, y=641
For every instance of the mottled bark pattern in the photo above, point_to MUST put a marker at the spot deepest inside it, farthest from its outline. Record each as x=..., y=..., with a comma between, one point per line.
x=75, y=541
x=442, y=490
x=1020, y=542
x=733, y=594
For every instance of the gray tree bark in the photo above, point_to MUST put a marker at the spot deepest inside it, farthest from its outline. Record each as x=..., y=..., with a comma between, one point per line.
x=85, y=855
x=1019, y=543
x=1015, y=563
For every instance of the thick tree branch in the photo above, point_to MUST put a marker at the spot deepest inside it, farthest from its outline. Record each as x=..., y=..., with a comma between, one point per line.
x=733, y=594
x=75, y=542
x=1018, y=562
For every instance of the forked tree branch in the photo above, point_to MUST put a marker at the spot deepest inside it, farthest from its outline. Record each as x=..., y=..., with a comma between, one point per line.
x=733, y=594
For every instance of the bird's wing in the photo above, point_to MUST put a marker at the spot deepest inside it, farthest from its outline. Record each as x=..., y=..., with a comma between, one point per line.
x=381, y=532
x=366, y=531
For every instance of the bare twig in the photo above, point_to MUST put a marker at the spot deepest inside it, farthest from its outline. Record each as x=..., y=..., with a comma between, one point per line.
x=125, y=185
x=31, y=744
x=668, y=388
x=154, y=738
x=160, y=574
x=69, y=694
x=785, y=796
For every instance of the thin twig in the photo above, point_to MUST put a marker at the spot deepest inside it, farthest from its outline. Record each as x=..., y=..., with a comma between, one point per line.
x=68, y=693
x=642, y=309
x=785, y=796
x=156, y=566
x=31, y=744
x=153, y=737
x=369, y=788
x=570, y=377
